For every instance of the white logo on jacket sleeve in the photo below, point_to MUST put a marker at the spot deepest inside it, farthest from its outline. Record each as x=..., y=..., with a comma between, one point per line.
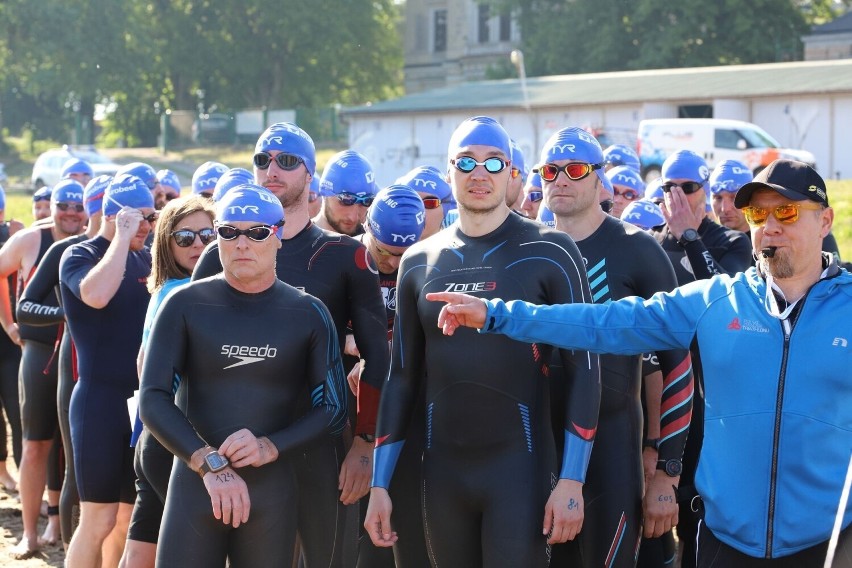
x=248, y=354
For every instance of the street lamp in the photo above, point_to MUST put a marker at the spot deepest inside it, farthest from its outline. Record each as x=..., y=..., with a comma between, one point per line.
x=517, y=59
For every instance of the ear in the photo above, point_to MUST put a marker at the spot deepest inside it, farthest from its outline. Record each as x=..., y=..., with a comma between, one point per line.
x=827, y=220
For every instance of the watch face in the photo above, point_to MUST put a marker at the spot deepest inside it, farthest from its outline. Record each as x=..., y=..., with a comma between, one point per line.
x=215, y=461
x=673, y=468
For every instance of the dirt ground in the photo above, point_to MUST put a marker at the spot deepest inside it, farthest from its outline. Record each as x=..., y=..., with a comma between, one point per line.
x=11, y=528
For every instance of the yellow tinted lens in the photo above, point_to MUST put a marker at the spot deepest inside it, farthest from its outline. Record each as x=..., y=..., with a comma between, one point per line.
x=788, y=213
x=755, y=215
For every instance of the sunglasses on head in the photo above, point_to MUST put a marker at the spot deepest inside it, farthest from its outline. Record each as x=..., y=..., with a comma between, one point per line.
x=431, y=202
x=186, y=237
x=535, y=196
x=787, y=213
x=287, y=162
x=349, y=199
x=688, y=187
x=258, y=233
x=467, y=164
x=63, y=206
x=628, y=194
x=575, y=170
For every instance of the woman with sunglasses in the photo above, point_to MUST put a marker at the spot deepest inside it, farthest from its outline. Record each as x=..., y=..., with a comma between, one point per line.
x=184, y=228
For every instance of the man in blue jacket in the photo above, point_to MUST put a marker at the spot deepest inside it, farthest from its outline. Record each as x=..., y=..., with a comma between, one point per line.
x=778, y=425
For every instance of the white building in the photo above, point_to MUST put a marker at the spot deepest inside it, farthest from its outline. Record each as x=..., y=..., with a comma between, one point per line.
x=806, y=104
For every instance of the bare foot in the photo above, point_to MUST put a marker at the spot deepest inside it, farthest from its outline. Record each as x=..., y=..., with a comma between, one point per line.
x=24, y=549
x=8, y=483
x=50, y=536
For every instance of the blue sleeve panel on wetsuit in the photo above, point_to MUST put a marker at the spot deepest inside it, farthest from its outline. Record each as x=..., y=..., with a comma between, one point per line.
x=248, y=373
x=384, y=462
x=575, y=460
x=38, y=305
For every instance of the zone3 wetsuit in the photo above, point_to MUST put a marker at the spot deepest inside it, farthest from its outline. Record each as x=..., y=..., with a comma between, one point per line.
x=335, y=269
x=489, y=462
x=244, y=360
x=622, y=260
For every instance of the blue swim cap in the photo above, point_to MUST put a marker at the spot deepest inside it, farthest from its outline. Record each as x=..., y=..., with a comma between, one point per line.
x=546, y=217
x=685, y=164
x=93, y=195
x=627, y=177
x=2, y=198
x=68, y=191
x=480, y=131
x=168, y=178
x=75, y=166
x=288, y=138
x=577, y=145
x=535, y=181
x=729, y=176
x=41, y=194
x=429, y=179
x=126, y=190
x=205, y=177
x=621, y=155
x=606, y=183
x=518, y=160
x=315, y=185
x=143, y=171
x=348, y=172
x=654, y=190
x=252, y=203
x=397, y=216
x=450, y=217
x=231, y=179
x=644, y=214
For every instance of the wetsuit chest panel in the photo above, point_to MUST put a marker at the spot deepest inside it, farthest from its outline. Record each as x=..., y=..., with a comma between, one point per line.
x=44, y=334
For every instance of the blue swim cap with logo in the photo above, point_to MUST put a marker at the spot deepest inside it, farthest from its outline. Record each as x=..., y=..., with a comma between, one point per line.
x=141, y=170
x=518, y=160
x=397, y=216
x=168, y=178
x=644, y=214
x=348, y=172
x=576, y=145
x=729, y=176
x=206, y=175
x=480, y=131
x=627, y=177
x=685, y=164
x=93, y=195
x=546, y=216
x=67, y=191
x=429, y=179
x=251, y=203
x=534, y=181
x=231, y=179
x=75, y=166
x=654, y=190
x=126, y=190
x=621, y=155
x=288, y=138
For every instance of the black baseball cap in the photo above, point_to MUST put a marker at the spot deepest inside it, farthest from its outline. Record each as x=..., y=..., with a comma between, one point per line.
x=794, y=180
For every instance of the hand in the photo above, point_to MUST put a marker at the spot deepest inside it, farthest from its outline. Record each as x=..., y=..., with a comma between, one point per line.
x=649, y=465
x=461, y=310
x=14, y=334
x=242, y=448
x=349, y=347
x=354, y=376
x=660, y=505
x=679, y=214
x=127, y=223
x=229, y=496
x=355, y=472
x=564, y=512
x=377, y=521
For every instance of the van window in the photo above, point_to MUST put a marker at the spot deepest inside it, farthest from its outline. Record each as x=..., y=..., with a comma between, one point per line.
x=727, y=138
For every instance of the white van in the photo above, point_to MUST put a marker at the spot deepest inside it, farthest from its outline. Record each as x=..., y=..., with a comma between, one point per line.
x=714, y=139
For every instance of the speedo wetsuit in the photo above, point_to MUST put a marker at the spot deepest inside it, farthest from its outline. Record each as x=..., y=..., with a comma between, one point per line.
x=107, y=342
x=622, y=260
x=35, y=308
x=719, y=251
x=244, y=360
x=489, y=462
x=334, y=269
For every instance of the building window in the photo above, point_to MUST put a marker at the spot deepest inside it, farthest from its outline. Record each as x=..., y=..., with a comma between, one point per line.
x=505, y=27
x=484, y=16
x=440, y=30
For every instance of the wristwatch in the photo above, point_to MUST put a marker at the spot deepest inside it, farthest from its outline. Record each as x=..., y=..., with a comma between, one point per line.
x=651, y=443
x=688, y=236
x=369, y=438
x=213, y=462
x=673, y=468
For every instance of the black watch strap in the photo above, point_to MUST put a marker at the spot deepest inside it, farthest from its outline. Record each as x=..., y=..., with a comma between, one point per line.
x=370, y=438
x=651, y=443
x=673, y=468
x=688, y=236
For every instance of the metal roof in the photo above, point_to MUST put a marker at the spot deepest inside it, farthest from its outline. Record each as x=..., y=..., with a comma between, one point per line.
x=838, y=25
x=624, y=87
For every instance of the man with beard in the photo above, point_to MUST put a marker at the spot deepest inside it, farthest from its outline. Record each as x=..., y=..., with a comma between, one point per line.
x=776, y=441
x=348, y=188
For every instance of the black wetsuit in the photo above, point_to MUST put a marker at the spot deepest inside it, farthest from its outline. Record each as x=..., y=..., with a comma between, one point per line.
x=107, y=342
x=244, y=360
x=490, y=460
x=36, y=308
x=335, y=269
x=10, y=361
x=622, y=260
x=718, y=251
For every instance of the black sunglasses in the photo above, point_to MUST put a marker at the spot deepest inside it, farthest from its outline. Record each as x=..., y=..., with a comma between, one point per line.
x=688, y=187
x=606, y=205
x=258, y=234
x=287, y=162
x=349, y=199
x=152, y=217
x=63, y=206
x=186, y=237
x=467, y=164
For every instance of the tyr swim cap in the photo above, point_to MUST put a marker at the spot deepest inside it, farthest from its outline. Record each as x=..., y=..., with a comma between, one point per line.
x=231, y=179
x=577, y=145
x=288, y=138
x=621, y=155
x=168, y=178
x=480, y=131
x=397, y=216
x=627, y=177
x=67, y=191
x=205, y=177
x=429, y=179
x=348, y=172
x=251, y=203
x=644, y=214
